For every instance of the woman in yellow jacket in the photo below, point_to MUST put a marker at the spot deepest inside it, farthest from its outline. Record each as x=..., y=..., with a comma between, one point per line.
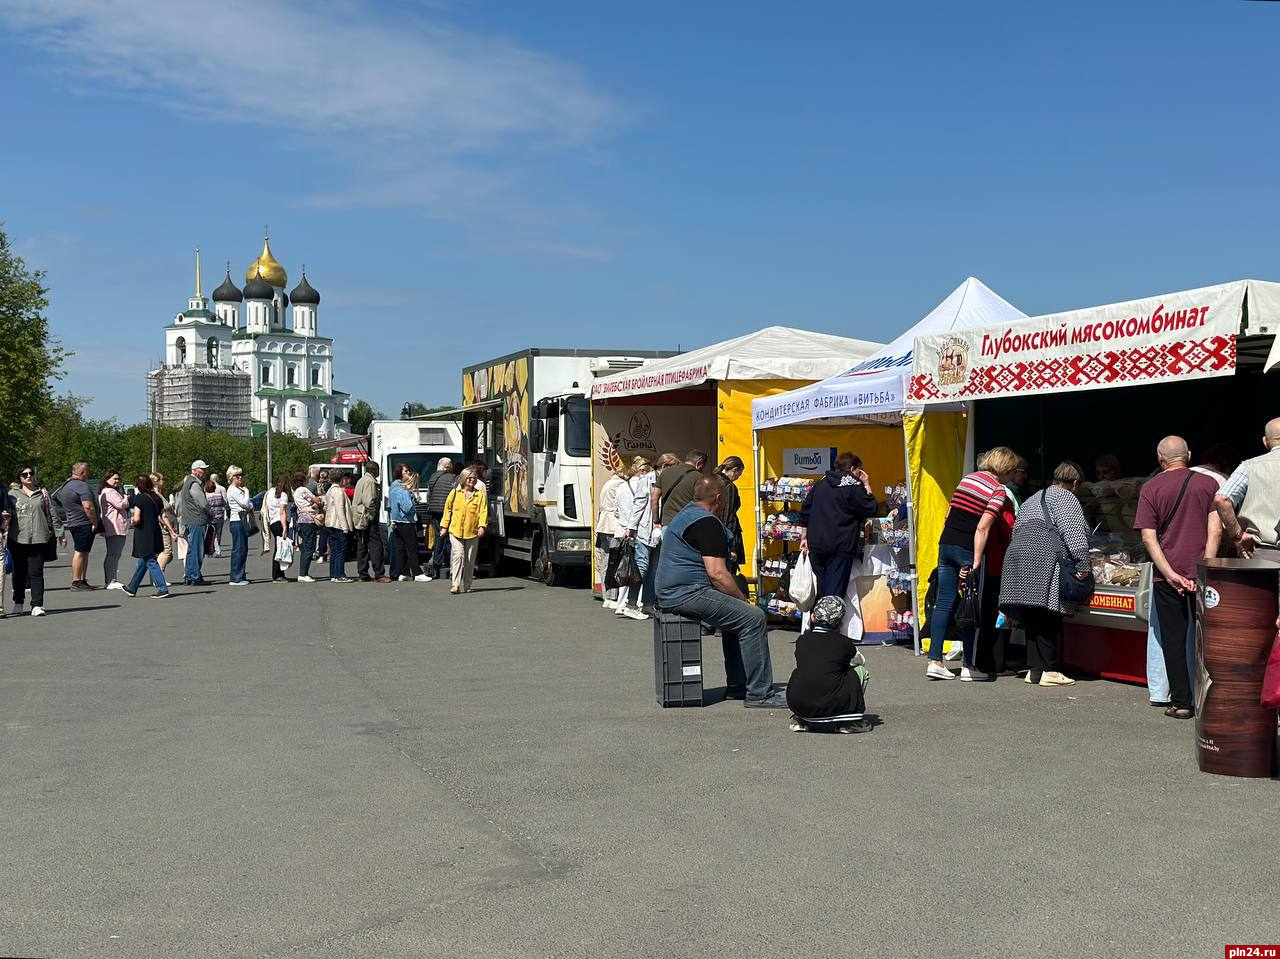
x=466, y=514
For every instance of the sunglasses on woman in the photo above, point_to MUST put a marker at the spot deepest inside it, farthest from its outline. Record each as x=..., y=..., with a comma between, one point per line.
x=25, y=474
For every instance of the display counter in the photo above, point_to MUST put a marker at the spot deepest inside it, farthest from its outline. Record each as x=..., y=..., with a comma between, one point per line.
x=1108, y=637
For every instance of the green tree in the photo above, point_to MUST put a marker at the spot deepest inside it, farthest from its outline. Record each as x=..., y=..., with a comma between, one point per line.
x=30, y=359
x=361, y=415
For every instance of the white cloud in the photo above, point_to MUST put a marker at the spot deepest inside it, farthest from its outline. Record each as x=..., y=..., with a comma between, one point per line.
x=433, y=116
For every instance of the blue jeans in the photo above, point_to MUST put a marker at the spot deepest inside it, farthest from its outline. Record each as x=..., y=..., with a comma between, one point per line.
x=744, y=633
x=337, y=553
x=440, y=552
x=306, y=546
x=951, y=559
x=195, y=552
x=148, y=564
x=1157, y=675
x=239, y=550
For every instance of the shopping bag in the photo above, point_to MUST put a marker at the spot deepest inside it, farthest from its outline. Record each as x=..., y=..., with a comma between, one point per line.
x=1271, y=678
x=804, y=585
x=180, y=548
x=284, y=552
x=628, y=573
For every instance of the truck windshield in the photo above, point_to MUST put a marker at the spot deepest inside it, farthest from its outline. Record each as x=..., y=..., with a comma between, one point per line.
x=577, y=426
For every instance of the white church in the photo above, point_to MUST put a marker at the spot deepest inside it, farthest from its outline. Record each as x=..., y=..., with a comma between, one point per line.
x=270, y=335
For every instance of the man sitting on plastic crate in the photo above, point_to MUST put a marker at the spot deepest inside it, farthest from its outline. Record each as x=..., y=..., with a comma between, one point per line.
x=693, y=580
x=826, y=690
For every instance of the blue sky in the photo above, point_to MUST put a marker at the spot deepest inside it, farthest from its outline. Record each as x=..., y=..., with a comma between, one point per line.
x=463, y=180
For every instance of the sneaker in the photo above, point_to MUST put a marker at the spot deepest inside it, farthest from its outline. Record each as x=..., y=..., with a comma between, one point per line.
x=238, y=582
x=305, y=579
x=403, y=579
x=632, y=613
x=969, y=674
x=19, y=609
x=37, y=610
x=937, y=671
x=610, y=604
x=132, y=595
x=164, y=595
x=797, y=725
x=776, y=700
x=81, y=586
x=1031, y=678
x=341, y=579
x=1052, y=677
x=857, y=726
x=115, y=585
x=619, y=610
x=422, y=578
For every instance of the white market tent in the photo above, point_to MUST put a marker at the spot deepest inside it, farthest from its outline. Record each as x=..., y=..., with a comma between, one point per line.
x=878, y=385
x=774, y=353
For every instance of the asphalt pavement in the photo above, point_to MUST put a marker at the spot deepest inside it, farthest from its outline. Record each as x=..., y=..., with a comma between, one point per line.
x=388, y=770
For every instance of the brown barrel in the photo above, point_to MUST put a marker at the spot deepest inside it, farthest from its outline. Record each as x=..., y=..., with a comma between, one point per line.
x=1236, y=626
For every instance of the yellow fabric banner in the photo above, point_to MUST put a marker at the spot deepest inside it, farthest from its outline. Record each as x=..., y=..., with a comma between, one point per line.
x=935, y=454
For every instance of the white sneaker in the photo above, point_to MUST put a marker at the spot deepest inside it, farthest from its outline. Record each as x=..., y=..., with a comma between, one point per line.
x=37, y=610
x=305, y=579
x=619, y=610
x=610, y=604
x=115, y=584
x=632, y=613
x=422, y=578
x=403, y=579
x=970, y=675
x=18, y=609
x=1049, y=677
x=937, y=671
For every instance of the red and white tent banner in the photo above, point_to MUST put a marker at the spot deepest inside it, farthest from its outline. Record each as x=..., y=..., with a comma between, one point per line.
x=1177, y=336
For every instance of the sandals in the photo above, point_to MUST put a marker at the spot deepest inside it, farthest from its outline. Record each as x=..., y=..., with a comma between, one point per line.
x=1174, y=712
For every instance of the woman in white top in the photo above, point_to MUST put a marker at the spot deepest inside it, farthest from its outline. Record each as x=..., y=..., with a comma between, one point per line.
x=240, y=503
x=277, y=505
x=606, y=532
x=635, y=522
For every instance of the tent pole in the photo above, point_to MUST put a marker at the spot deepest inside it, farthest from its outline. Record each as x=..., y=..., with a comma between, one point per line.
x=916, y=612
x=755, y=494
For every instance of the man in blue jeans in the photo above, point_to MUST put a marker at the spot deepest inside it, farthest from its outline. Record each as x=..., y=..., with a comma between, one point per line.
x=693, y=579
x=193, y=507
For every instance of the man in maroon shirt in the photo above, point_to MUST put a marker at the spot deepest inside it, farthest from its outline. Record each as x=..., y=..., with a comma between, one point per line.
x=1178, y=522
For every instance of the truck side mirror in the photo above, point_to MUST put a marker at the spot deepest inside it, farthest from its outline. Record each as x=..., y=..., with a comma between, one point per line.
x=553, y=435
x=537, y=436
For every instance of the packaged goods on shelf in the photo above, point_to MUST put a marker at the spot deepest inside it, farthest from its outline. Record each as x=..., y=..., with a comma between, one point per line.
x=786, y=489
x=781, y=607
x=784, y=526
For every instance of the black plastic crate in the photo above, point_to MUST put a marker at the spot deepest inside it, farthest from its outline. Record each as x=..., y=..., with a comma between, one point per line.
x=677, y=660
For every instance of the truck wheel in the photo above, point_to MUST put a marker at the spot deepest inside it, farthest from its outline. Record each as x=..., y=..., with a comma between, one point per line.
x=542, y=569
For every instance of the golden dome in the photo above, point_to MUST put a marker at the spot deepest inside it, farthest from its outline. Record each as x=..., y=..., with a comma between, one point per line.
x=269, y=266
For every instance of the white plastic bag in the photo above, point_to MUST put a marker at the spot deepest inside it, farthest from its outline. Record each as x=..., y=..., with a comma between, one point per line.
x=284, y=552
x=804, y=585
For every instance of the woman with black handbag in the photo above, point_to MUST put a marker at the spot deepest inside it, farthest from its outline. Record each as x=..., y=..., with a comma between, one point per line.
x=1047, y=571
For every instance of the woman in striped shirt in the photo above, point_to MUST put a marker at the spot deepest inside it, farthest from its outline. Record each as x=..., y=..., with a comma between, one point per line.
x=976, y=505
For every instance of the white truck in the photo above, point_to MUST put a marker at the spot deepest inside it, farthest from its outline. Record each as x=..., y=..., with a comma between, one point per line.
x=417, y=444
x=527, y=415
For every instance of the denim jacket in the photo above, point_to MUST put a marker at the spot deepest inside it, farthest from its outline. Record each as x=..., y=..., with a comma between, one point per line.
x=400, y=504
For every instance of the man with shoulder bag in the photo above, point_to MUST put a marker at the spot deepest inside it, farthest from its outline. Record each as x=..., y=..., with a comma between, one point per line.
x=1179, y=528
x=368, y=529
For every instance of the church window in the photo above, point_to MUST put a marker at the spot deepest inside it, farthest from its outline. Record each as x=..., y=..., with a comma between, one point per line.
x=315, y=376
x=293, y=409
x=212, y=349
x=291, y=374
x=180, y=348
x=266, y=374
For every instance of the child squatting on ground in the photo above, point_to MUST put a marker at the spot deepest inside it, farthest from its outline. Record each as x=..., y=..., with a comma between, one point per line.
x=826, y=689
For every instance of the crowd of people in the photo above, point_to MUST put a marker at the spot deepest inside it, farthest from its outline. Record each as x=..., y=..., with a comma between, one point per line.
x=304, y=518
